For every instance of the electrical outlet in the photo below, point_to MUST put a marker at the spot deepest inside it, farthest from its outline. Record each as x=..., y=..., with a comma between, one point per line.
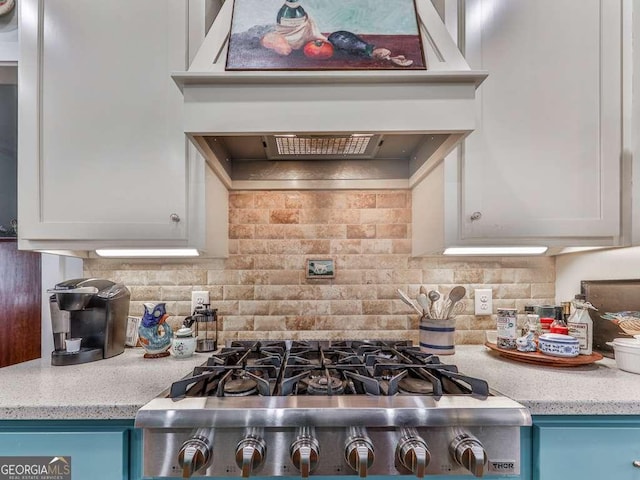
x=483, y=301
x=199, y=298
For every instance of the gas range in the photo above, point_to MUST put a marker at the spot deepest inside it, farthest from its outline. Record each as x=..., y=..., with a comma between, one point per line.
x=329, y=408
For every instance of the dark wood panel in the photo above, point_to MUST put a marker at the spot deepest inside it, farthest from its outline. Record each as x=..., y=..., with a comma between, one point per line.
x=20, y=300
x=610, y=296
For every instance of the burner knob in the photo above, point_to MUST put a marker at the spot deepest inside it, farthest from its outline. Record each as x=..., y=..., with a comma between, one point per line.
x=196, y=452
x=305, y=451
x=469, y=452
x=250, y=453
x=359, y=451
x=412, y=452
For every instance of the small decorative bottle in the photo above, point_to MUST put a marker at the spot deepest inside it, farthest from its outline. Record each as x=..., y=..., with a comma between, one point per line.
x=580, y=324
x=566, y=312
x=523, y=321
x=291, y=14
x=533, y=320
x=559, y=324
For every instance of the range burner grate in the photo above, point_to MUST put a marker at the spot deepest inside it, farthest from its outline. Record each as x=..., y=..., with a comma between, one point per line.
x=314, y=368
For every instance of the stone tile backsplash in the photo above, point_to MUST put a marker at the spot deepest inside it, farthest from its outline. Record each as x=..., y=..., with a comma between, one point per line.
x=261, y=290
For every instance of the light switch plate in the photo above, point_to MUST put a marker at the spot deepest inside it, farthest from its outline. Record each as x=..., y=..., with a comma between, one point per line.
x=483, y=301
x=199, y=298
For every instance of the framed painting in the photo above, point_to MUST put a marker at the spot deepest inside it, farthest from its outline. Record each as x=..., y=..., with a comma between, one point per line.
x=325, y=35
x=321, y=268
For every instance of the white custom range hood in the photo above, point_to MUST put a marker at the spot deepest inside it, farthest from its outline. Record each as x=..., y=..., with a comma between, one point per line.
x=328, y=129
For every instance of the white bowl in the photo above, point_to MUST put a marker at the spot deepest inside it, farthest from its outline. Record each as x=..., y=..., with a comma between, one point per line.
x=559, y=345
x=627, y=353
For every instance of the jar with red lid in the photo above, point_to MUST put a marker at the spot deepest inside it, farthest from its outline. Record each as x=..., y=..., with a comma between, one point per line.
x=560, y=329
x=545, y=323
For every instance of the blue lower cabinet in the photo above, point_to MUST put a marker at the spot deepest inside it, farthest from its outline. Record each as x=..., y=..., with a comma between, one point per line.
x=586, y=448
x=86, y=450
x=555, y=448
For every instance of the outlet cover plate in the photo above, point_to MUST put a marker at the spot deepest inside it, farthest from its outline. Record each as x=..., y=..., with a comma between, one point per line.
x=198, y=298
x=483, y=298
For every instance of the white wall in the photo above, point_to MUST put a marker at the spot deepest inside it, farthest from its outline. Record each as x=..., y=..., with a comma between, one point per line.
x=55, y=269
x=622, y=263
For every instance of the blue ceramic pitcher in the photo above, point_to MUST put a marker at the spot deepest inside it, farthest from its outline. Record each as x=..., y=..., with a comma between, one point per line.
x=155, y=333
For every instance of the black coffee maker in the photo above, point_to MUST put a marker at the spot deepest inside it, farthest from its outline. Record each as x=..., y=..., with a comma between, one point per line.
x=91, y=309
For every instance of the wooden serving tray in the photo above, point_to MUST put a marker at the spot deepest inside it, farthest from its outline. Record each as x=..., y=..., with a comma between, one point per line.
x=542, y=359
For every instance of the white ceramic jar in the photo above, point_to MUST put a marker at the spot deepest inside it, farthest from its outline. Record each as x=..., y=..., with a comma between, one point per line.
x=184, y=343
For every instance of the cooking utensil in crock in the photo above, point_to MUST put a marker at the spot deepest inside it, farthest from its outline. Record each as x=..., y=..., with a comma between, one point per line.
x=423, y=301
x=434, y=296
x=456, y=294
x=407, y=300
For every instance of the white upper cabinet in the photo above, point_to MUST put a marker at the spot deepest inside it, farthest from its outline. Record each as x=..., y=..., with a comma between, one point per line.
x=103, y=156
x=544, y=163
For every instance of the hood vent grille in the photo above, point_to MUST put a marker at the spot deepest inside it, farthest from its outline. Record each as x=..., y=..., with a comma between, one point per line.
x=321, y=147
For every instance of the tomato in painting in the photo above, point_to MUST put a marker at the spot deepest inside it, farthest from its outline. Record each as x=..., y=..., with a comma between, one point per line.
x=318, y=49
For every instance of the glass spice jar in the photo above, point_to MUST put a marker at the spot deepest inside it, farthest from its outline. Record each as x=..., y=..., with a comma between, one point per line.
x=545, y=324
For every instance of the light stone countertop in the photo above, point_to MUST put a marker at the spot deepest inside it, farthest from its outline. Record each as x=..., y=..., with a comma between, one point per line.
x=595, y=389
x=116, y=388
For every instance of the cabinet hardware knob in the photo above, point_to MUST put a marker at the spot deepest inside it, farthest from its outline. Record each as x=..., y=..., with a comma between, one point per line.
x=475, y=216
x=636, y=463
x=174, y=217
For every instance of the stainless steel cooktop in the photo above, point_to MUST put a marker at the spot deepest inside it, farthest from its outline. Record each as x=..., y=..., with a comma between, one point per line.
x=321, y=408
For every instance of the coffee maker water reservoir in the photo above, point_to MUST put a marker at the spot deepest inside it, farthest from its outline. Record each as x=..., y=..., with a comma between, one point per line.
x=92, y=309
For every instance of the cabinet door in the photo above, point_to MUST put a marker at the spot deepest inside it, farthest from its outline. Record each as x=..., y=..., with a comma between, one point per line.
x=587, y=453
x=544, y=160
x=101, y=143
x=90, y=455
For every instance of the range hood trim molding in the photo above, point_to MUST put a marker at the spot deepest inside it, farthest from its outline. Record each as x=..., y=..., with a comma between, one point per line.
x=231, y=109
x=467, y=77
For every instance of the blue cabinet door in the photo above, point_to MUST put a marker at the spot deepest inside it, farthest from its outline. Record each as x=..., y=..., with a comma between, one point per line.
x=588, y=451
x=101, y=455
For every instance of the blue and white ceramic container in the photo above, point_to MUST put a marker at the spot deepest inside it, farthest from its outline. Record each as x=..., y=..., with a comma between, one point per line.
x=559, y=345
x=184, y=343
x=437, y=336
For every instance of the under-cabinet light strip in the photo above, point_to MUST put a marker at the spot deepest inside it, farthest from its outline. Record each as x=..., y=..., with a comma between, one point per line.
x=495, y=250
x=147, y=252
